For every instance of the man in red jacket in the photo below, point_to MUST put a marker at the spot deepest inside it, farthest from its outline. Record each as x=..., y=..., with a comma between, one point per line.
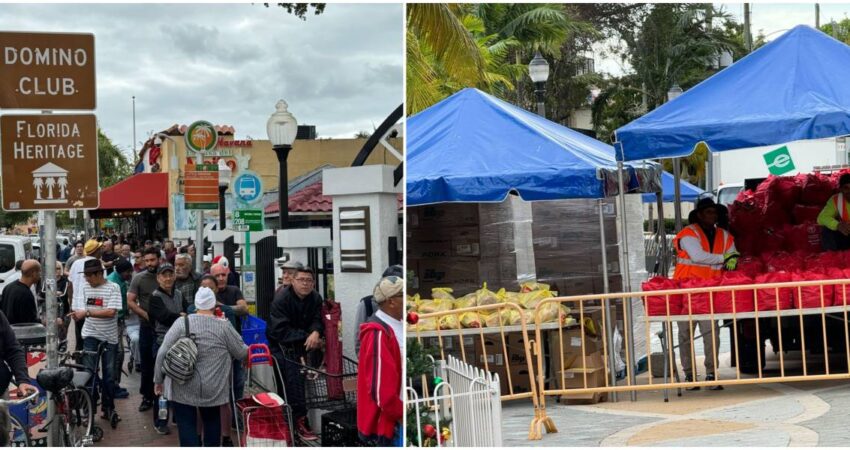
x=379, y=395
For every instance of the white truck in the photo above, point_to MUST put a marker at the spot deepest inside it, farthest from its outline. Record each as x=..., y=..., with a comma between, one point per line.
x=735, y=166
x=12, y=249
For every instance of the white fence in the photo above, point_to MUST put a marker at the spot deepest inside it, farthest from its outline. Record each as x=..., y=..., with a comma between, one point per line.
x=467, y=402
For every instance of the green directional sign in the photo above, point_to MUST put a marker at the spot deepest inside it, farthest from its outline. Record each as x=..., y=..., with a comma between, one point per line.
x=779, y=161
x=248, y=220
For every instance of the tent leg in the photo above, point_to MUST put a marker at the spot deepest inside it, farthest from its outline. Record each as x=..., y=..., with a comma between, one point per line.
x=677, y=194
x=662, y=233
x=608, y=318
x=627, y=284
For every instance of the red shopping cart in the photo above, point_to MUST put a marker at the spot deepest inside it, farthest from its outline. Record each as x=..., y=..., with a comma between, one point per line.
x=266, y=417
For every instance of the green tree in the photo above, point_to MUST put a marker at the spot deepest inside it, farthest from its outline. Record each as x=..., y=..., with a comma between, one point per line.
x=112, y=163
x=300, y=10
x=839, y=30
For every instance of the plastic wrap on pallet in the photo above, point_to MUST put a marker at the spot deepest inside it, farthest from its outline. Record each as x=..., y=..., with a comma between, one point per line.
x=506, y=246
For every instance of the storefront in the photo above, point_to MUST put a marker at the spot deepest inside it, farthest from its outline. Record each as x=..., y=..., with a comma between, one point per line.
x=136, y=206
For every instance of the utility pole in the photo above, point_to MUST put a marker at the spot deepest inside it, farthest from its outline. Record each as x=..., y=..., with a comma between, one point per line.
x=748, y=37
x=134, y=126
x=817, y=15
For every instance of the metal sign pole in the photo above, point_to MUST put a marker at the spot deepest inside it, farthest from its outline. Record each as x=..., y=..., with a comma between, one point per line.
x=609, y=319
x=199, y=226
x=49, y=243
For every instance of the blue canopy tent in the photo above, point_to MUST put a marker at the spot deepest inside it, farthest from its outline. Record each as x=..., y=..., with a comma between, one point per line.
x=690, y=193
x=473, y=147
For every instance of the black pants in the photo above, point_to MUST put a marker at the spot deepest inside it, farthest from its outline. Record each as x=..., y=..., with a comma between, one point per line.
x=147, y=339
x=78, y=332
x=187, y=424
x=834, y=240
x=119, y=356
x=293, y=384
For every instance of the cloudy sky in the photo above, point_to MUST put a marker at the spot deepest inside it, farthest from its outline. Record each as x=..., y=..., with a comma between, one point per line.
x=771, y=18
x=229, y=63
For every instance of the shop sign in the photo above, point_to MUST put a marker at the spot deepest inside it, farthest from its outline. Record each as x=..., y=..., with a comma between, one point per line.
x=49, y=162
x=779, y=161
x=200, y=186
x=234, y=143
x=47, y=71
x=201, y=136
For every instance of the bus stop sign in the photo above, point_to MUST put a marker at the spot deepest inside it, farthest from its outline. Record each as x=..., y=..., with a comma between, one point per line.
x=248, y=188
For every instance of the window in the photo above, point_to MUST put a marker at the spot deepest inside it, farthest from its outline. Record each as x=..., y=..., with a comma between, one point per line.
x=7, y=258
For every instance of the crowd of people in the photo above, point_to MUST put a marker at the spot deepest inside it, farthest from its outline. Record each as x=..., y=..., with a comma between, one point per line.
x=151, y=297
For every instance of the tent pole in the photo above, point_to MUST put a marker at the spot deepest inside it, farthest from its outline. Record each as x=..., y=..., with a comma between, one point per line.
x=662, y=233
x=627, y=284
x=650, y=222
x=609, y=330
x=677, y=194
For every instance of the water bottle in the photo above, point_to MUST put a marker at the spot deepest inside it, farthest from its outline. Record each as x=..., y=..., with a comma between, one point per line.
x=163, y=408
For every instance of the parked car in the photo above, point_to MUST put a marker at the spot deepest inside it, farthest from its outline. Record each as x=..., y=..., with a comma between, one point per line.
x=13, y=249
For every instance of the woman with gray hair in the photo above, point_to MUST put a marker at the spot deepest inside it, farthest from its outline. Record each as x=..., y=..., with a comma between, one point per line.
x=218, y=343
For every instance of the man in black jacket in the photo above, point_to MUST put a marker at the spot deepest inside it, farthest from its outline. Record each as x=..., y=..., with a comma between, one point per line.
x=295, y=334
x=18, y=301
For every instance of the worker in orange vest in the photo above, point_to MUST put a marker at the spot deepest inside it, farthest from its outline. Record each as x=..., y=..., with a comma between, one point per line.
x=835, y=218
x=703, y=251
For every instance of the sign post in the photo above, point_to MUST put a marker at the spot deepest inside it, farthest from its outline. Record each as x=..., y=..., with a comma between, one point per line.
x=200, y=137
x=248, y=192
x=49, y=162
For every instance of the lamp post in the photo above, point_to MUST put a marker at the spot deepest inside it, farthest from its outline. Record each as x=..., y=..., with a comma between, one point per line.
x=674, y=92
x=282, y=129
x=538, y=70
x=224, y=173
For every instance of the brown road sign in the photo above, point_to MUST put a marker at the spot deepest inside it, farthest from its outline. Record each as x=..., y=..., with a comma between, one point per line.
x=49, y=162
x=200, y=186
x=47, y=71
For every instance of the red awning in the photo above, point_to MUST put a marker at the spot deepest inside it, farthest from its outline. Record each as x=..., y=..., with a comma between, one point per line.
x=311, y=200
x=140, y=191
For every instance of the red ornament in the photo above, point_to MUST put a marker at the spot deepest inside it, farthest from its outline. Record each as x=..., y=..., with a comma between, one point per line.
x=429, y=430
x=412, y=318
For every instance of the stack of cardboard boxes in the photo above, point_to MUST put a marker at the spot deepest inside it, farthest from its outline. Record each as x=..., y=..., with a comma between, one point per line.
x=576, y=358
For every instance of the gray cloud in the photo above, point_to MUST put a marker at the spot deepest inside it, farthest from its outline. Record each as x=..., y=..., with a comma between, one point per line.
x=229, y=63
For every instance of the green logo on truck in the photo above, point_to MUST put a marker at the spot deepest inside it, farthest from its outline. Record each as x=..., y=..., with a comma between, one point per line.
x=779, y=161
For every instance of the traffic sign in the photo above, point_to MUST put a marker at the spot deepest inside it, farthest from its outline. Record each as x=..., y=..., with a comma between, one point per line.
x=248, y=188
x=49, y=162
x=248, y=220
x=201, y=136
x=47, y=71
x=200, y=186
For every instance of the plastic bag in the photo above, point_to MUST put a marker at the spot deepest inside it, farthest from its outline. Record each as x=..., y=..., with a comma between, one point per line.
x=467, y=301
x=698, y=301
x=745, y=215
x=553, y=311
x=784, y=192
x=783, y=261
x=442, y=293
x=806, y=213
x=433, y=306
x=529, y=300
x=810, y=296
x=824, y=260
x=449, y=322
x=841, y=291
x=750, y=266
x=656, y=305
x=485, y=296
x=529, y=286
x=471, y=320
x=619, y=364
x=817, y=189
x=803, y=238
x=772, y=240
x=413, y=303
x=744, y=300
x=427, y=324
x=512, y=297
x=767, y=299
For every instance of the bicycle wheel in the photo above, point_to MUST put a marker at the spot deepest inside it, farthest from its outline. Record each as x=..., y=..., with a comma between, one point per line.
x=19, y=435
x=79, y=416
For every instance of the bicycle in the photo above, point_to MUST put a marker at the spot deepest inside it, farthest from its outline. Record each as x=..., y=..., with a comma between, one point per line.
x=18, y=434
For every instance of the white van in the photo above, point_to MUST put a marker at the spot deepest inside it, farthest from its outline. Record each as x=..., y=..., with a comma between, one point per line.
x=12, y=249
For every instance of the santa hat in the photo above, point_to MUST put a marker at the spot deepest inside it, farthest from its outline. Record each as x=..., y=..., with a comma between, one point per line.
x=221, y=259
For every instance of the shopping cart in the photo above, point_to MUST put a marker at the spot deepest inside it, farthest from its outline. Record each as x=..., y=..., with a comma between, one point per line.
x=324, y=388
x=266, y=417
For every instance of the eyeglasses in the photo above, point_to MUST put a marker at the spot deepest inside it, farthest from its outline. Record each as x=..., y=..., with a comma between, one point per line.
x=304, y=280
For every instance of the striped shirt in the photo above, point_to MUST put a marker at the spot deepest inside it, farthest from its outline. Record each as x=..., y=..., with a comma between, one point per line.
x=103, y=297
x=218, y=344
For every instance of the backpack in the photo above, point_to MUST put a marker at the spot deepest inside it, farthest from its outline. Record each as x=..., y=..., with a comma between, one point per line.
x=179, y=362
x=367, y=305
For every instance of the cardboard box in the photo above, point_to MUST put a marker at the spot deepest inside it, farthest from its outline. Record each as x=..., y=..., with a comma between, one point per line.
x=520, y=380
x=574, y=379
x=446, y=214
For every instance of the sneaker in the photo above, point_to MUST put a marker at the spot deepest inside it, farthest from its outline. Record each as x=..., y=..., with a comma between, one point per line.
x=690, y=379
x=121, y=393
x=713, y=388
x=146, y=405
x=226, y=442
x=163, y=430
x=304, y=431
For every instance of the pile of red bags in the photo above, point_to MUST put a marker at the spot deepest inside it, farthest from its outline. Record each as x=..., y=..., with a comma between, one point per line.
x=781, y=214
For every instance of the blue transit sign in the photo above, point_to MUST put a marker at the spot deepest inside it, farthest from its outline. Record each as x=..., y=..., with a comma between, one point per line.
x=248, y=188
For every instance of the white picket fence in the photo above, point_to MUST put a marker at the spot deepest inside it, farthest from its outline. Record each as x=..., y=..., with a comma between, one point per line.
x=469, y=396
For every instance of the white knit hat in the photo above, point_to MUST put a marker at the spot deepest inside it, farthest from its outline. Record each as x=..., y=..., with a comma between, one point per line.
x=388, y=287
x=204, y=298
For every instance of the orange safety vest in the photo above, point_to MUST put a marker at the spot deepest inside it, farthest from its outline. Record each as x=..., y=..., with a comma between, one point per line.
x=685, y=268
x=843, y=212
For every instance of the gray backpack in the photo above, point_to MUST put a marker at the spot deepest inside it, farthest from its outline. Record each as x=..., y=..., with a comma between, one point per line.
x=179, y=362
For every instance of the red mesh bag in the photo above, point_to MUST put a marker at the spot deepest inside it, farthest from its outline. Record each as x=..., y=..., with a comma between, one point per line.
x=744, y=298
x=750, y=266
x=803, y=238
x=745, y=215
x=810, y=296
x=784, y=192
x=835, y=176
x=823, y=261
x=768, y=298
x=656, y=305
x=817, y=189
x=772, y=241
x=783, y=261
x=699, y=302
x=806, y=213
x=841, y=291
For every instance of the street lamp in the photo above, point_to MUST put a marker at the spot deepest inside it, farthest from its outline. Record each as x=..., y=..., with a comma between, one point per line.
x=224, y=173
x=282, y=129
x=674, y=92
x=538, y=70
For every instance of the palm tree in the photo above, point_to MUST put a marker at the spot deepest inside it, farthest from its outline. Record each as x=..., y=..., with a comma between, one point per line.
x=38, y=183
x=63, y=187
x=51, y=182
